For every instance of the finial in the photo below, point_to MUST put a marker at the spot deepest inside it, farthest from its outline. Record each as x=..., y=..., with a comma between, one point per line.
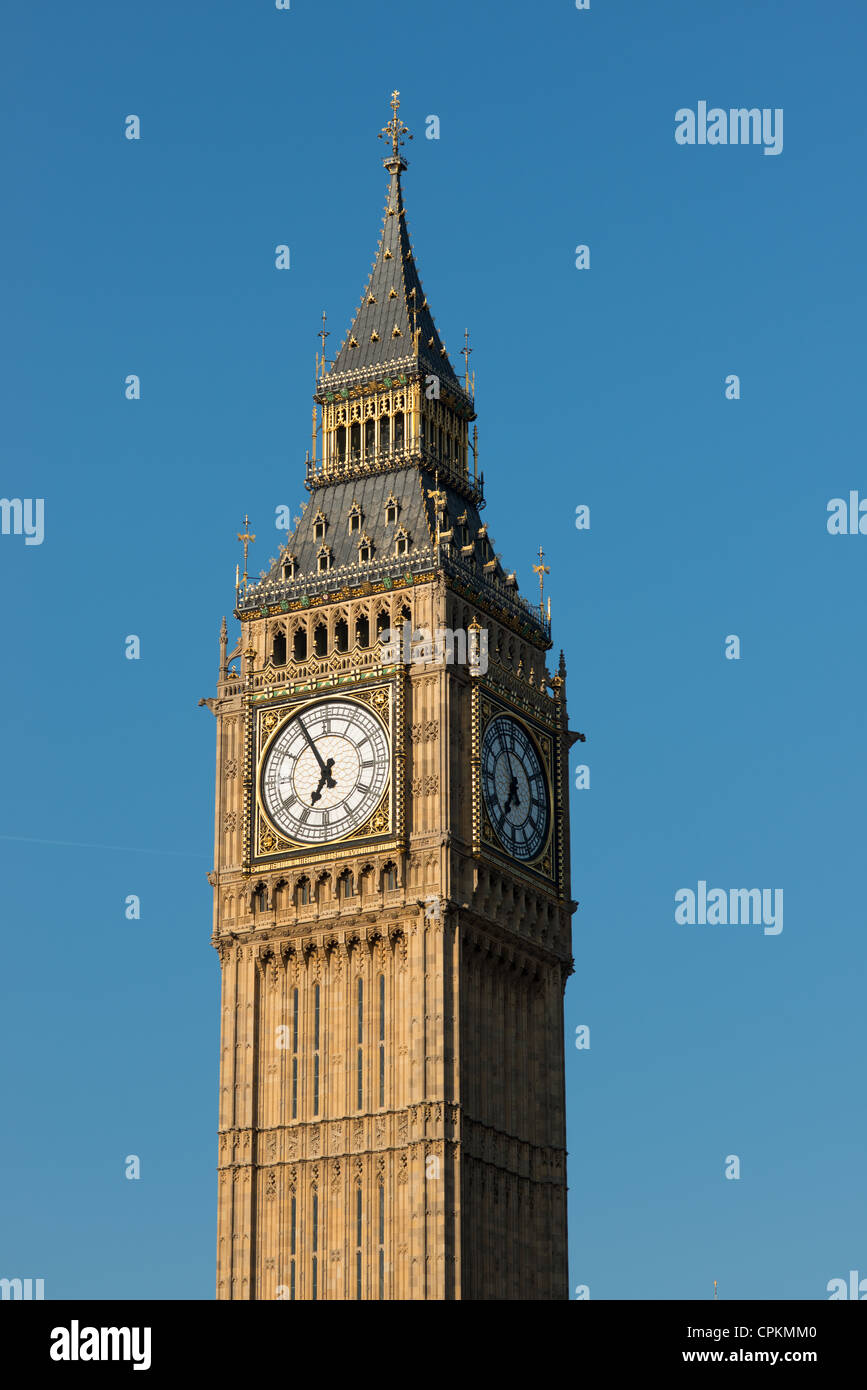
x=323, y=334
x=414, y=307
x=224, y=642
x=247, y=539
x=396, y=132
x=466, y=351
x=438, y=497
x=541, y=569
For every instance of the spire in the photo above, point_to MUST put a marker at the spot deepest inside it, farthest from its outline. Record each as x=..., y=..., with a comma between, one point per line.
x=393, y=330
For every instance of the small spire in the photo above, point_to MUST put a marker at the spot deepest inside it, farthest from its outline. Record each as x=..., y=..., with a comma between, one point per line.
x=466, y=352
x=397, y=133
x=224, y=643
x=323, y=334
x=541, y=569
x=246, y=539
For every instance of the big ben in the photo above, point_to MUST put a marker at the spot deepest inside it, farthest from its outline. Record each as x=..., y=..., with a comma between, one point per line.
x=392, y=899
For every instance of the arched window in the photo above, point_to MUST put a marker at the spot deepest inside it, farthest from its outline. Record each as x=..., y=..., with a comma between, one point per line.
x=294, y=1065
x=341, y=635
x=315, y=1051
x=315, y=1225
x=362, y=631
x=341, y=443
x=358, y=1260
x=370, y=438
x=259, y=900
x=320, y=640
x=359, y=1046
x=398, y=430
x=382, y=1040
x=381, y=1241
x=302, y=892
x=281, y=894
x=355, y=440
x=344, y=885
x=384, y=434
x=278, y=650
x=383, y=622
x=389, y=878
x=299, y=644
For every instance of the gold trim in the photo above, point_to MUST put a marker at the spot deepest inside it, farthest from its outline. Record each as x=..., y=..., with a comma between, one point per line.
x=378, y=702
x=489, y=711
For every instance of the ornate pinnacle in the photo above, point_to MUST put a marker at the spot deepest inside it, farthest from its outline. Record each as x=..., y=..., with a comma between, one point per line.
x=541, y=569
x=397, y=133
x=246, y=538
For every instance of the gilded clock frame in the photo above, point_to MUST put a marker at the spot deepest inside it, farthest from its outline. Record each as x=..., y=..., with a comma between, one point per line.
x=266, y=847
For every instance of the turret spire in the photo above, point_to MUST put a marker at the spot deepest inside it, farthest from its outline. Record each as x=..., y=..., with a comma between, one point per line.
x=393, y=331
x=397, y=133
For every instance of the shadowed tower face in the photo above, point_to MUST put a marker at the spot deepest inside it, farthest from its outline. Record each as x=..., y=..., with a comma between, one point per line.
x=391, y=885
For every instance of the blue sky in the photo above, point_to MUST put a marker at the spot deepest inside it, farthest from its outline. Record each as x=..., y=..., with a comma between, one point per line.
x=602, y=387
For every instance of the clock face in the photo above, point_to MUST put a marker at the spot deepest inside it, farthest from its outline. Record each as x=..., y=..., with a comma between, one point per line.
x=325, y=772
x=514, y=788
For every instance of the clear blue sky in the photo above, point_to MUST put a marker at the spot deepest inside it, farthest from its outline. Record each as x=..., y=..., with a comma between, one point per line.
x=603, y=387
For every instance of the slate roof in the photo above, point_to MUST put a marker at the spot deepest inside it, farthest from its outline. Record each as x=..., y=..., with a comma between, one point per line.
x=416, y=516
x=394, y=287
x=410, y=481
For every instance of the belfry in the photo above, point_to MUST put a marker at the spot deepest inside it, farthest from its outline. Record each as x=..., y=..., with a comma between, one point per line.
x=392, y=901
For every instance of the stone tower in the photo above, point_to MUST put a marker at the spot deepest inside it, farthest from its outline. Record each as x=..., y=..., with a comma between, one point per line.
x=391, y=885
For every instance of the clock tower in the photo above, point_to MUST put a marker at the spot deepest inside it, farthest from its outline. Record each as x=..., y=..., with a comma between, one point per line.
x=391, y=885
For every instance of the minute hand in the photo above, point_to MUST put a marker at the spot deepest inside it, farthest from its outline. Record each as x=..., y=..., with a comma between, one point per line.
x=323, y=768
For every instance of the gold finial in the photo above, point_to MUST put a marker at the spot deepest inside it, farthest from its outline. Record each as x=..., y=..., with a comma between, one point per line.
x=395, y=131
x=541, y=569
x=466, y=351
x=438, y=497
x=323, y=334
x=414, y=307
x=247, y=539
x=715, y=1294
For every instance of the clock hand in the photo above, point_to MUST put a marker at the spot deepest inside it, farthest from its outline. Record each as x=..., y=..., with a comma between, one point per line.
x=325, y=778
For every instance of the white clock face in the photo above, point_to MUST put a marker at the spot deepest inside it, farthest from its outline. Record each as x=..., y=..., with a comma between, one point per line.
x=514, y=788
x=325, y=772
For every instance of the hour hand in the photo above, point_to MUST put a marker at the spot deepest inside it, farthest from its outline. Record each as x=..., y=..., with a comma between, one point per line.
x=325, y=780
x=513, y=793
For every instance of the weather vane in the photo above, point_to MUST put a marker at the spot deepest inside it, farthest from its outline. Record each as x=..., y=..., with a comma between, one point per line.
x=395, y=131
x=541, y=569
x=247, y=539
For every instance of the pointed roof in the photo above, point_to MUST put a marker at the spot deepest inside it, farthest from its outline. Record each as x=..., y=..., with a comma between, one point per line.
x=393, y=329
